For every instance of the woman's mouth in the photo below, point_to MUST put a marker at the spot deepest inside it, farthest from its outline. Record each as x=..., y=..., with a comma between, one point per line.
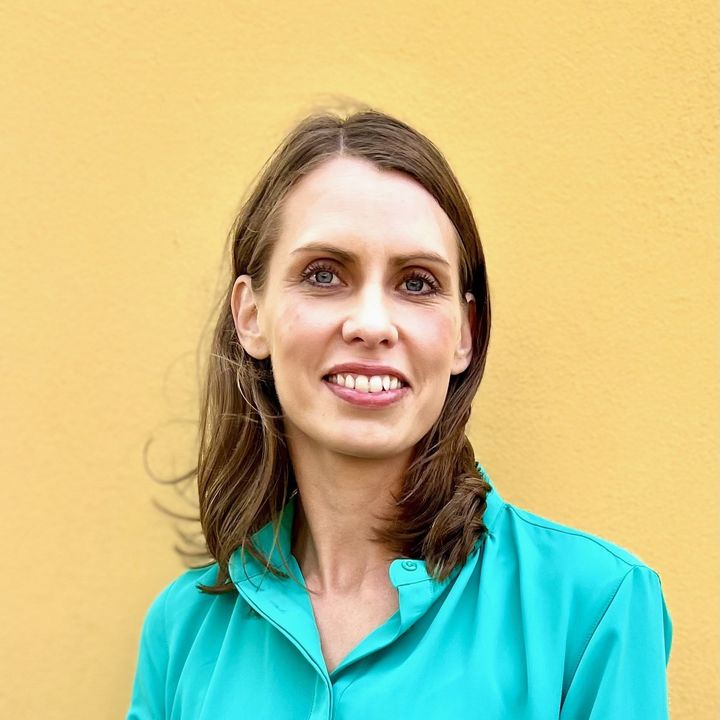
x=377, y=391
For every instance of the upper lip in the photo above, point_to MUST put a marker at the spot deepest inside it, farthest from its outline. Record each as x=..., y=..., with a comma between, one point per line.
x=367, y=369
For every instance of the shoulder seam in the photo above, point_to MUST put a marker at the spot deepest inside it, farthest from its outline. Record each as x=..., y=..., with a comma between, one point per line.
x=577, y=533
x=597, y=625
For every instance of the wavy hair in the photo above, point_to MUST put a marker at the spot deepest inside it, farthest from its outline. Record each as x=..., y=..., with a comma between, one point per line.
x=244, y=472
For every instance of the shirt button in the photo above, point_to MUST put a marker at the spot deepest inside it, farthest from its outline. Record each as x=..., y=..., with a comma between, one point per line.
x=409, y=565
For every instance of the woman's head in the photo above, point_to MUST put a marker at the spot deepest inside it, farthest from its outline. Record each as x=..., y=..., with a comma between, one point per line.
x=395, y=277
x=363, y=270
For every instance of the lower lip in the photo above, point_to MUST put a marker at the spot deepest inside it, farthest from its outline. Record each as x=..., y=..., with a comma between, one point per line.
x=367, y=399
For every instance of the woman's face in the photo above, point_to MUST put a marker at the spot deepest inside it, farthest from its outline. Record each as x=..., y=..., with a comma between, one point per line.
x=365, y=270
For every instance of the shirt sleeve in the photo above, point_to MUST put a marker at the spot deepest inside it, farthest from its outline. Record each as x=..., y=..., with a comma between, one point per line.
x=622, y=672
x=148, y=691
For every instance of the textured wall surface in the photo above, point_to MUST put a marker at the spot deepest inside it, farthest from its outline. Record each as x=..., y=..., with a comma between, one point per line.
x=585, y=136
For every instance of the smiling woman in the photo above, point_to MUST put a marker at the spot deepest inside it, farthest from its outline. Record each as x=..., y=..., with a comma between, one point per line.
x=361, y=563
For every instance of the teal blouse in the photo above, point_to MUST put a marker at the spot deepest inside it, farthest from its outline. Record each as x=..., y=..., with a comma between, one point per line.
x=541, y=621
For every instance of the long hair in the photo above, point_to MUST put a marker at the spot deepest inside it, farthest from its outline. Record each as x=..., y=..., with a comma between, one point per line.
x=244, y=472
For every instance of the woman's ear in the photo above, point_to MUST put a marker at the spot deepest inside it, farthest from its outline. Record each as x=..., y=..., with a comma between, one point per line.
x=464, y=349
x=245, y=310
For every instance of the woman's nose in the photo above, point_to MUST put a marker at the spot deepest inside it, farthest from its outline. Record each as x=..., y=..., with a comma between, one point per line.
x=370, y=318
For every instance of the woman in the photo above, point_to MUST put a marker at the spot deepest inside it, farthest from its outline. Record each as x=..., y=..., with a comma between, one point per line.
x=363, y=563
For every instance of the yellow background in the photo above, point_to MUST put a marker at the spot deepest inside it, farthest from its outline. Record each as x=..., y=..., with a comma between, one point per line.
x=585, y=136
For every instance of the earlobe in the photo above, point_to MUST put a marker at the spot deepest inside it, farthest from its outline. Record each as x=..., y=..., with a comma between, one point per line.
x=464, y=349
x=244, y=307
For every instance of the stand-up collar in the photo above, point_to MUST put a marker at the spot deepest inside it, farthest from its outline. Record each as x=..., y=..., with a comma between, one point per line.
x=275, y=543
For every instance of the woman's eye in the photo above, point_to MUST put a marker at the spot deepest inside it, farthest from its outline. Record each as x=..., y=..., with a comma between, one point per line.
x=416, y=279
x=320, y=275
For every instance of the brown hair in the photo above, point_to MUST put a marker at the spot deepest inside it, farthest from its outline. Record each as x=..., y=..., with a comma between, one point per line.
x=244, y=472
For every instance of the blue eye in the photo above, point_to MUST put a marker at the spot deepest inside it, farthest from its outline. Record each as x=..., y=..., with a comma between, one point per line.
x=417, y=278
x=320, y=270
x=324, y=272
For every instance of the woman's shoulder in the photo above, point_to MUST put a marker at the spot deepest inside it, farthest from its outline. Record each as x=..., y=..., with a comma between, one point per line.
x=187, y=585
x=563, y=550
x=563, y=554
x=577, y=582
x=181, y=602
x=568, y=538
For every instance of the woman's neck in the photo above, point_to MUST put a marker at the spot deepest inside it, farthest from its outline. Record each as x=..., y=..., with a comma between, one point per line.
x=339, y=499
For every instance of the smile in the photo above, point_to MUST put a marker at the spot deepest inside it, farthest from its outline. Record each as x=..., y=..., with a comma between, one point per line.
x=371, y=397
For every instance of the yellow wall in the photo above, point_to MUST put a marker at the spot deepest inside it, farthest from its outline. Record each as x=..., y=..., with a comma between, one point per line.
x=584, y=133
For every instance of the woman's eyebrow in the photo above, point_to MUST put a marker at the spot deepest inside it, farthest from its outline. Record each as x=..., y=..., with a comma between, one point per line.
x=350, y=257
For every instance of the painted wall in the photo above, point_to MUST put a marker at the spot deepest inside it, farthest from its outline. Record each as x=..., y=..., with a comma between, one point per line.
x=585, y=135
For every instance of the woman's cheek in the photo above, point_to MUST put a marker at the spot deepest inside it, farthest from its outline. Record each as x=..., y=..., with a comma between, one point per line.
x=294, y=320
x=434, y=334
x=307, y=311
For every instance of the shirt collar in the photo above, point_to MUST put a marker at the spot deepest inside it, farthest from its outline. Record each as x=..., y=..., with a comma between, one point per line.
x=275, y=543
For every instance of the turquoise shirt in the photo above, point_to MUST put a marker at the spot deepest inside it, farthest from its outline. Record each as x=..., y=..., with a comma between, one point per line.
x=542, y=621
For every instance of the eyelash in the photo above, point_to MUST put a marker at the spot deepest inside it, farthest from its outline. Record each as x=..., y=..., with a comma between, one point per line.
x=317, y=267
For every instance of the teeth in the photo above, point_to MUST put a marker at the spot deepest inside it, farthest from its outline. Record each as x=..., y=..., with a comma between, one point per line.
x=365, y=383
x=375, y=384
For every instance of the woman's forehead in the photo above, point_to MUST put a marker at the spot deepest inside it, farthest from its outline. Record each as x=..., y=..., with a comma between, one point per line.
x=352, y=202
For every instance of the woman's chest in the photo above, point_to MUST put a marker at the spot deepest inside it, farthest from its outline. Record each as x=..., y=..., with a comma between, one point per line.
x=402, y=657
x=422, y=674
